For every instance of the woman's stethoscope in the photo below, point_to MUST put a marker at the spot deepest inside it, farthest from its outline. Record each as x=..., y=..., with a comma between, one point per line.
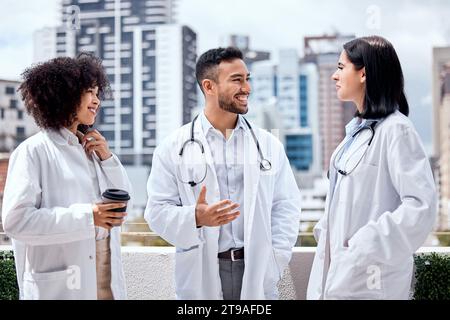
x=264, y=164
x=368, y=125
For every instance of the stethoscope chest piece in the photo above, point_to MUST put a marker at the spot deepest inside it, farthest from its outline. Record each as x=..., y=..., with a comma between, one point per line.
x=265, y=165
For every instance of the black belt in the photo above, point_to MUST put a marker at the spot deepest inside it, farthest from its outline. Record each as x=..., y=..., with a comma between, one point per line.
x=232, y=254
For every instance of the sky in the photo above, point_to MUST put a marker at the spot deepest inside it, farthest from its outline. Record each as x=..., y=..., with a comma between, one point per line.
x=414, y=27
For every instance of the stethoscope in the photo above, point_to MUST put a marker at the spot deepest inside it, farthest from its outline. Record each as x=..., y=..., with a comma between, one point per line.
x=368, y=125
x=264, y=164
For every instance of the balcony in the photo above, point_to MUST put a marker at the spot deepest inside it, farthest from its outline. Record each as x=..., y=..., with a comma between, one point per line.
x=149, y=272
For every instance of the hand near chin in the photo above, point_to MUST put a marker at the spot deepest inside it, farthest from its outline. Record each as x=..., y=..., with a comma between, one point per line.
x=93, y=141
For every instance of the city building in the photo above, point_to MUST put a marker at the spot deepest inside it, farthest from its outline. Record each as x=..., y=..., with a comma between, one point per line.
x=441, y=131
x=4, y=158
x=444, y=150
x=176, y=85
x=324, y=51
x=441, y=56
x=291, y=87
x=243, y=43
x=44, y=44
x=15, y=123
x=150, y=62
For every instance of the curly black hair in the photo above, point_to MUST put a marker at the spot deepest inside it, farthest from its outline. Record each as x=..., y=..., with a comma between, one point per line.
x=52, y=90
x=206, y=67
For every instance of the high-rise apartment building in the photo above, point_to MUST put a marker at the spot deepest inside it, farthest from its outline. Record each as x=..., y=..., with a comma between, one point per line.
x=243, y=43
x=441, y=57
x=15, y=124
x=441, y=131
x=149, y=60
x=444, y=149
x=291, y=87
x=324, y=51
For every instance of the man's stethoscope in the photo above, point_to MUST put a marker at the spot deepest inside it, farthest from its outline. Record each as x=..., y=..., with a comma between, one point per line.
x=264, y=164
x=368, y=125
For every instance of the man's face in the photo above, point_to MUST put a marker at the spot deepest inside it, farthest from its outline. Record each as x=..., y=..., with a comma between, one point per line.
x=233, y=86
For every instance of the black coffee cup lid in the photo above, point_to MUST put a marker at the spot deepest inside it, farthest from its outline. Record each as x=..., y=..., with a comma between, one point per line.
x=116, y=194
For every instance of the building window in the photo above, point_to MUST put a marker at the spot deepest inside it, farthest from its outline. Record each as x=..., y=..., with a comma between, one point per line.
x=2, y=113
x=9, y=90
x=20, y=136
x=20, y=131
x=20, y=114
x=13, y=104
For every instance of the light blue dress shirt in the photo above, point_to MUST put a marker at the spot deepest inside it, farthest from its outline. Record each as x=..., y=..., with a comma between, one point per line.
x=228, y=156
x=350, y=129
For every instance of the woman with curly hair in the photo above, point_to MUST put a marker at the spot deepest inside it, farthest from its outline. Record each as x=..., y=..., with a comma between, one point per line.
x=66, y=242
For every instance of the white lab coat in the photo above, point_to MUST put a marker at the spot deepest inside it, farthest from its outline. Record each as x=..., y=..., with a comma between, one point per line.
x=47, y=211
x=271, y=217
x=379, y=215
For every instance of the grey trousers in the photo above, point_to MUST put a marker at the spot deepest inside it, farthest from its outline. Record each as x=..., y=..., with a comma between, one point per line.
x=231, y=273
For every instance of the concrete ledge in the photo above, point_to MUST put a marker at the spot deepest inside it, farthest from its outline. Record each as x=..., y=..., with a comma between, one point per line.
x=149, y=272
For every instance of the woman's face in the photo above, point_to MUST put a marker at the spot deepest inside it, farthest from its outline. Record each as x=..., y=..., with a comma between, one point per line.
x=350, y=83
x=89, y=107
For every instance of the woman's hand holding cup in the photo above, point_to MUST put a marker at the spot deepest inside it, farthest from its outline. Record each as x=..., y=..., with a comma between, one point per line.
x=107, y=219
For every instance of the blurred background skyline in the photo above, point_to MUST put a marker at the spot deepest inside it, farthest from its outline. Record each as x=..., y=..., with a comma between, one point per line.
x=291, y=48
x=413, y=26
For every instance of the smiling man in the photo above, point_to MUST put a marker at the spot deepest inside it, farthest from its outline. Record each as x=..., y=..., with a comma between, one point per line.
x=223, y=193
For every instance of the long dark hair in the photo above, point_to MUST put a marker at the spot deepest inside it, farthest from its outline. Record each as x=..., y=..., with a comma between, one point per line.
x=384, y=77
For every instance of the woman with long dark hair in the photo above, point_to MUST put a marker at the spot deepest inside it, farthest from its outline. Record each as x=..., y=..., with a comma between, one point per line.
x=66, y=241
x=381, y=203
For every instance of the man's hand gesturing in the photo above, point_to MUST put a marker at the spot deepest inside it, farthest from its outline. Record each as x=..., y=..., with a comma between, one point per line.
x=217, y=214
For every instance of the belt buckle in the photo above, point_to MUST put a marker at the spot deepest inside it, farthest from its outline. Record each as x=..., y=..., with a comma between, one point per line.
x=232, y=254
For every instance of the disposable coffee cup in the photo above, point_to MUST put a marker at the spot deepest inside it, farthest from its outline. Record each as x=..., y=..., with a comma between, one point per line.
x=116, y=195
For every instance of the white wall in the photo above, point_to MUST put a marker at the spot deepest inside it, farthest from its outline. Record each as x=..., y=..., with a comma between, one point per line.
x=149, y=273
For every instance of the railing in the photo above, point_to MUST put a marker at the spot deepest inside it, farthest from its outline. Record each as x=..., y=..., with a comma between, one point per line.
x=145, y=237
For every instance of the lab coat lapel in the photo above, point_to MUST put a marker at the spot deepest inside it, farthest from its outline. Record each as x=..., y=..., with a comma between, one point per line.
x=101, y=181
x=211, y=182
x=98, y=170
x=356, y=149
x=212, y=190
x=251, y=180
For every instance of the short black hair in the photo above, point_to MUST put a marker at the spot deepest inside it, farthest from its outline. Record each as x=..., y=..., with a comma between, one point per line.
x=207, y=63
x=52, y=90
x=384, y=77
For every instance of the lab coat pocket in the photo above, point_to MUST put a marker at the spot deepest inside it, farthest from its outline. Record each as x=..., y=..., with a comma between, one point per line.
x=367, y=280
x=57, y=285
x=339, y=276
x=188, y=272
x=350, y=277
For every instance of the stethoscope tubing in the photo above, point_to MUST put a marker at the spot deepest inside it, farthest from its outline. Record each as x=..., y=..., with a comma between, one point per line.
x=264, y=164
